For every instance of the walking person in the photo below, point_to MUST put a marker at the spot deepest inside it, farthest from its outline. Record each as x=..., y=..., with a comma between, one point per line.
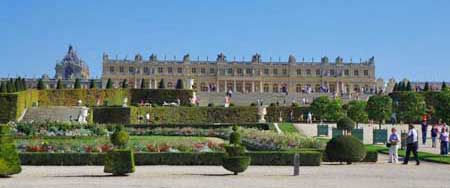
x=412, y=145
x=444, y=141
x=424, y=126
x=309, y=120
x=394, y=141
x=434, y=134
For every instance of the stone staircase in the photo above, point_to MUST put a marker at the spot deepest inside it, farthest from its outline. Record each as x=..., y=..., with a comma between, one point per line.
x=246, y=99
x=51, y=113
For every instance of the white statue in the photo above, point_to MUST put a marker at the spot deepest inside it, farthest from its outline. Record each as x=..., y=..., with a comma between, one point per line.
x=262, y=112
x=125, y=102
x=227, y=101
x=190, y=83
x=84, y=113
x=80, y=102
x=194, y=98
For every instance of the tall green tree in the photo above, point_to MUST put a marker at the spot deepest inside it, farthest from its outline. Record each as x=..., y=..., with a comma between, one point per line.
x=180, y=84
x=125, y=84
x=18, y=84
x=10, y=87
x=162, y=84
x=444, y=86
x=379, y=108
x=325, y=109
x=395, y=87
x=3, y=88
x=59, y=84
x=410, y=107
x=426, y=87
x=77, y=84
x=109, y=84
x=442, y=109
x=356, y=110
x=40, y=85
x=408, y=86
x=92, y=84
x=24, y=84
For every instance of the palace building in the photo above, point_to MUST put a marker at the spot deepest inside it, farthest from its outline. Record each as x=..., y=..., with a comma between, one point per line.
x=252, y=76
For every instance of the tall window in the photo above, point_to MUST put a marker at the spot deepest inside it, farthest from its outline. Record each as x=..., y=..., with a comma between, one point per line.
x=266, y=88
x=160, y=70
x=366, y=72
x=317, y=72
x=275, y=71
x=248, y=71
x=308, y=72
x=131, y=70
x=194, y=70
x=356, y=73
x=212, y=71
x=230, y=71
x=239, y=71
x=179, y=70
x=203, y=70
x=169, y=70
x=298, y=88
x=121, y=69
x=346, y=72
x=111, y=69
x=299, y=72
x=275, y=88
x=332, y=72
x=284, y=71
x=266, y=71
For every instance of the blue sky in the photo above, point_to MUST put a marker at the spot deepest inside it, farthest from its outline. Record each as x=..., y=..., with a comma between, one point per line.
x=410, y=39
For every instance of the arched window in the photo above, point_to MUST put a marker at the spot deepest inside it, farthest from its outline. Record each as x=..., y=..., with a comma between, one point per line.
x=203, y=87
x=266, y=88
x=275, y=88
x=298, y=88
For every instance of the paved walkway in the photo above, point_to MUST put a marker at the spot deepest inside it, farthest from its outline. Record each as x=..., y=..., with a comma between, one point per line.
x=360, y=175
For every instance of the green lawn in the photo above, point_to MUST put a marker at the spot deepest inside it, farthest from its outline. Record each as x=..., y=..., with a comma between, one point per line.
x=425, y=156
x=288, y=128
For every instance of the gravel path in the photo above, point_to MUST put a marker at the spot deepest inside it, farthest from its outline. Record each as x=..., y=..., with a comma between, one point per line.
x=363, y=175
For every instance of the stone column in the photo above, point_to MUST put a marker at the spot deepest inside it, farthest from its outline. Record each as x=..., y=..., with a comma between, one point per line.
x=226, y=86
x=261, y=89
x=253, y=86
x=217, y=86
x=243, y=86
x=234, y=85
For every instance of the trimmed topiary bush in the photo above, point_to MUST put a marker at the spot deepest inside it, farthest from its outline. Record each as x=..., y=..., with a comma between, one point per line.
x=120, y=137
x=345, y=124
x=9, y=157
x=345, y=149
x=235, y=159
x=119, y=162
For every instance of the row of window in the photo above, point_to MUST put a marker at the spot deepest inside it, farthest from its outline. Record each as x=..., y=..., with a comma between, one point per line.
x=240, y=71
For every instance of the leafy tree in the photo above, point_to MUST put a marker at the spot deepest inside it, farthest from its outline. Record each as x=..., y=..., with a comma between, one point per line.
x=401, y=86
x=444, y=86
x=379, y=108
x=40, y=85
x=442, y=109
x=143, y=83
x=410, y=107
x=161, y=85
x=18, y=84
x=346, y=124
x=3, y=88
x=77, y=84
x=180, y=84
x=59, y=84
x=11, y=88
x=426, y=87
x=92, y=84
x=109, y=84
x=324, y=108
x=356, y=111
x=24, y=84
x=408, y=86
x=125, y=84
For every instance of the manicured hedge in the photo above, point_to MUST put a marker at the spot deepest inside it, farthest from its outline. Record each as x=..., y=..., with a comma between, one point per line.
x=196, y=114
x=159, y=96
x=90, y=97
x=371, y=156
x=12, y=105
x=111, y=115
x=280, y=158
x=261, y=126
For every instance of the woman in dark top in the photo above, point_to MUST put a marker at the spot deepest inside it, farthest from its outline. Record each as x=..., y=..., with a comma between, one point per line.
x=434, y=134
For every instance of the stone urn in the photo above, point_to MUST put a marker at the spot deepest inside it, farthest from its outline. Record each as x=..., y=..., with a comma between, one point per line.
x=262, y=112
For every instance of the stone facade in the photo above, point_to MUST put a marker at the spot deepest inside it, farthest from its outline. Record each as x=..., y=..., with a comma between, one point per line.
x=71, y=67
x=252, y=76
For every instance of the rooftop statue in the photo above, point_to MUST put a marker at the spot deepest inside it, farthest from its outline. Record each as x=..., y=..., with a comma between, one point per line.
x=292, y=59
x=186, y=58
x=324, y=59
x=221, y=57
x=256, y=58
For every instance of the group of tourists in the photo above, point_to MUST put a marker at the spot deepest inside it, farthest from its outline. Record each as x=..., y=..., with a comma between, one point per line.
x=438, y=131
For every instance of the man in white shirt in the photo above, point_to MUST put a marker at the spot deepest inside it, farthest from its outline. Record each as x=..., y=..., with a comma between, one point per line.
x=411, y=145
